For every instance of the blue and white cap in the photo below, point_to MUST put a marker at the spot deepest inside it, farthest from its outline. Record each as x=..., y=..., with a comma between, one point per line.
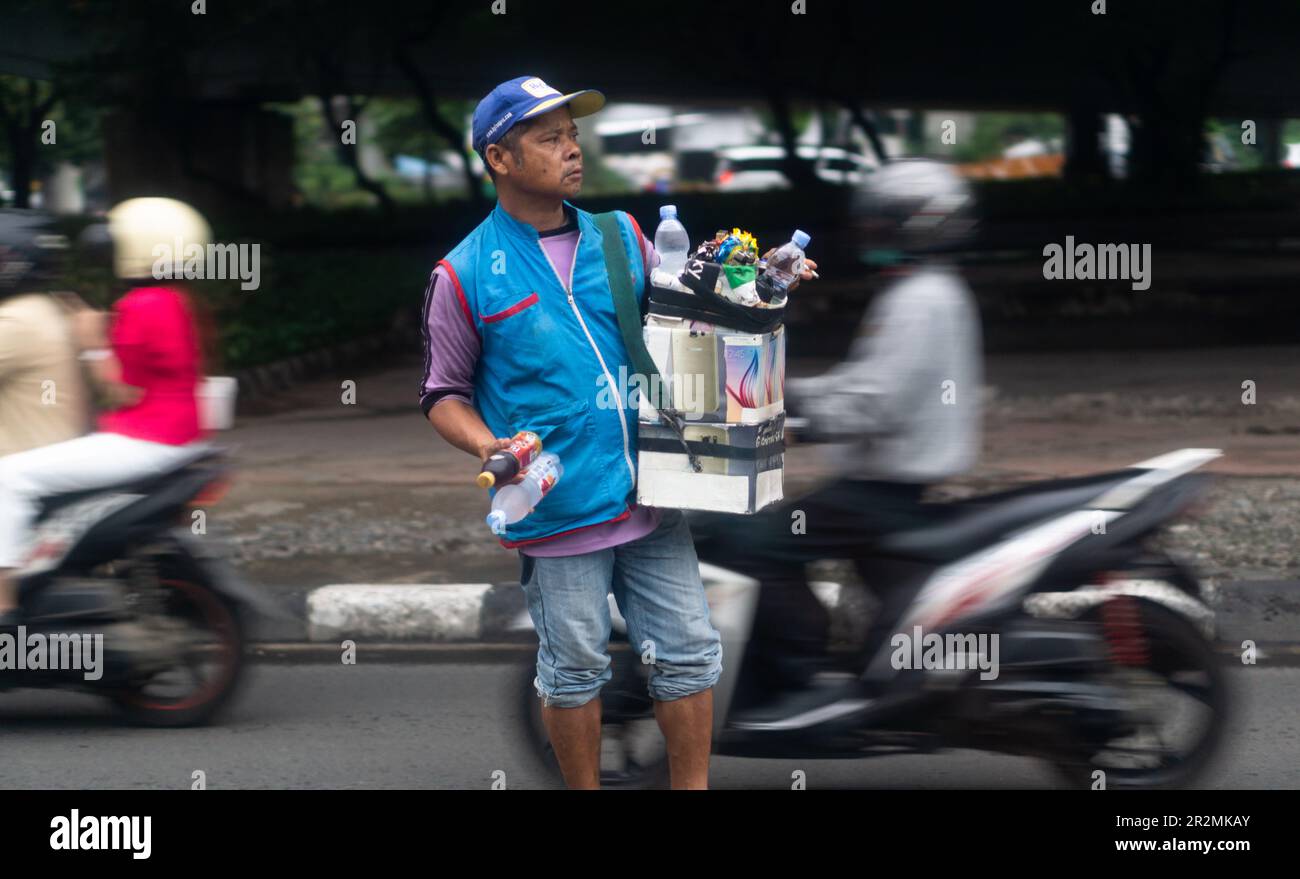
x=521, y=98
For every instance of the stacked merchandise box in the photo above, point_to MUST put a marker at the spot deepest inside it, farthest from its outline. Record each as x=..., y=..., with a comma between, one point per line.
x=726, y=452
x=741, y=465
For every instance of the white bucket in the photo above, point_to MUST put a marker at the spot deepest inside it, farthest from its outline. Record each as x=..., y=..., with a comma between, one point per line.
x=217, y=395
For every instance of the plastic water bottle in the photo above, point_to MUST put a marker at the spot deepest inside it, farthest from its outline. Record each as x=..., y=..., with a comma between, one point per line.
x=783, y=267
x=515, y=501
x=671, y=241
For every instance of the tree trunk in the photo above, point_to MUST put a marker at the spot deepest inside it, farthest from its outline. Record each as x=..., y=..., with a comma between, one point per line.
x=22, y=125
x=799, y=173
x=449, y=132
x=22, y=157
x=1084, y=159
x=1166, y=145
x=865, y=122
x=347, y=153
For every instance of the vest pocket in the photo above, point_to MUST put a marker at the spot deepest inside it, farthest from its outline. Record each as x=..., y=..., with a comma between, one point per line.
x=568, y=431
x=517, y=322
x=527, y=302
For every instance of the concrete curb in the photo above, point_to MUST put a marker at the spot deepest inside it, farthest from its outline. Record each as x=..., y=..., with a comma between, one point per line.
x=397, y=612
x=1266, y=612
x=431, y=612
x=298, y=653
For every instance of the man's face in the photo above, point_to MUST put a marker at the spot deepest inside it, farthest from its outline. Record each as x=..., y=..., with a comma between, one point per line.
x=547, y=159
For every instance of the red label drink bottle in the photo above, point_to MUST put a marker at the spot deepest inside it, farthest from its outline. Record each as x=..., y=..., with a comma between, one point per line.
x=506, y=464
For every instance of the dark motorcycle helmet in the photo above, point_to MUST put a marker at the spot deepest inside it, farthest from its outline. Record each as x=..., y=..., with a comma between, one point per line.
x=911, y=207
x=32, y=251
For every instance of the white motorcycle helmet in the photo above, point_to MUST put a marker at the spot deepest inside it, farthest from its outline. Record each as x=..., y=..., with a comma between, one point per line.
x=144, y=230
x=911, y=207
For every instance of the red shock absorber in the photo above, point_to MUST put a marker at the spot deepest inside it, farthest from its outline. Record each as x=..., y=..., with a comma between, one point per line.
x=1121, y=619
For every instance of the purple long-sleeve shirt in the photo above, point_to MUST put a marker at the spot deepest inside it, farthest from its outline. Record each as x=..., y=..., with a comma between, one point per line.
x=451, y=352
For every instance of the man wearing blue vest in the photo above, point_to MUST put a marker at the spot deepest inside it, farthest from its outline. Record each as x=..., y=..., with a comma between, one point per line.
x=521, y=334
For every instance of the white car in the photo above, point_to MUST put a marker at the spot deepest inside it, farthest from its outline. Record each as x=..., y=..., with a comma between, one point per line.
x=759, y=167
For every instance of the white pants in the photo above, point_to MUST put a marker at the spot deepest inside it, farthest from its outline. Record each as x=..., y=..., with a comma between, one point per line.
x=91, y=461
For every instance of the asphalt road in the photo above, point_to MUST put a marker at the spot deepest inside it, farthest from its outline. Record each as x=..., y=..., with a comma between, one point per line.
x=446, y=725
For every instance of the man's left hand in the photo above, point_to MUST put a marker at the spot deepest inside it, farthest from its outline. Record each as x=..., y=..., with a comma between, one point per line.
x=809, y=269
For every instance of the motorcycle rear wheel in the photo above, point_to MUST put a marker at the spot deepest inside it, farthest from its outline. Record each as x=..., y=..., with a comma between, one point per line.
x=1178, y=658
x=144, y=705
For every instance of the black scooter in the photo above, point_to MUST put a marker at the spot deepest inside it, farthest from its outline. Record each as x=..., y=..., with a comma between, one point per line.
x=120, y=596
x=1037, y=622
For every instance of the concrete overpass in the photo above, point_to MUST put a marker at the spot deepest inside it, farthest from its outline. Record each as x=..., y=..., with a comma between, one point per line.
x=191, y=85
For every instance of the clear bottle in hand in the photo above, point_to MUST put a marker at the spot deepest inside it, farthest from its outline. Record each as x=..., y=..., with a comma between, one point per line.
x=515, y=501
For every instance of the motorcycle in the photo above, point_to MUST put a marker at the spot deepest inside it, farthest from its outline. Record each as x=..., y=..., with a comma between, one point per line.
x=120, y=564
x=1106, y=667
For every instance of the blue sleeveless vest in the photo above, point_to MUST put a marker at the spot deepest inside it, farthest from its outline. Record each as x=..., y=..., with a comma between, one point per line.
x=553, y=363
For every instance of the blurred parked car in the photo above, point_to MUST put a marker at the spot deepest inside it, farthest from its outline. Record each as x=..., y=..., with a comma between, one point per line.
x=759, y=167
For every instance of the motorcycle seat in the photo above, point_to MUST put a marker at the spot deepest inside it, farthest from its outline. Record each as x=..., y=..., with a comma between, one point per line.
x=968, y=526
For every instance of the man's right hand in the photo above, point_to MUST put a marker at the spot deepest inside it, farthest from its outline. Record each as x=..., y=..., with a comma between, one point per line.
x=461, y=425
x=485, y=450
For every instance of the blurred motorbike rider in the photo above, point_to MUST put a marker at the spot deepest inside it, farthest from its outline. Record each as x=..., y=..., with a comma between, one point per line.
x=148, y=363
x=42, y=394
x=902, y=410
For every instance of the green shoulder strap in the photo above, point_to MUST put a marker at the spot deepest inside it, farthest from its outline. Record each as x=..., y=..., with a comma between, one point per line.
x=628, y=312
x=626, y=308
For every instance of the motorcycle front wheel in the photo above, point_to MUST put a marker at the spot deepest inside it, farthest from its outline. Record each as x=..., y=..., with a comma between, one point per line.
x=1175, y=685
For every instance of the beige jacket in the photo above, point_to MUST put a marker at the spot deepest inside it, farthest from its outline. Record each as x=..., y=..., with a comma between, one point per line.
x=43, y=396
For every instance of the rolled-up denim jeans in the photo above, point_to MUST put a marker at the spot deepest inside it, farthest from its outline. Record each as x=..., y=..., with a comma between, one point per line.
x=656, y=583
